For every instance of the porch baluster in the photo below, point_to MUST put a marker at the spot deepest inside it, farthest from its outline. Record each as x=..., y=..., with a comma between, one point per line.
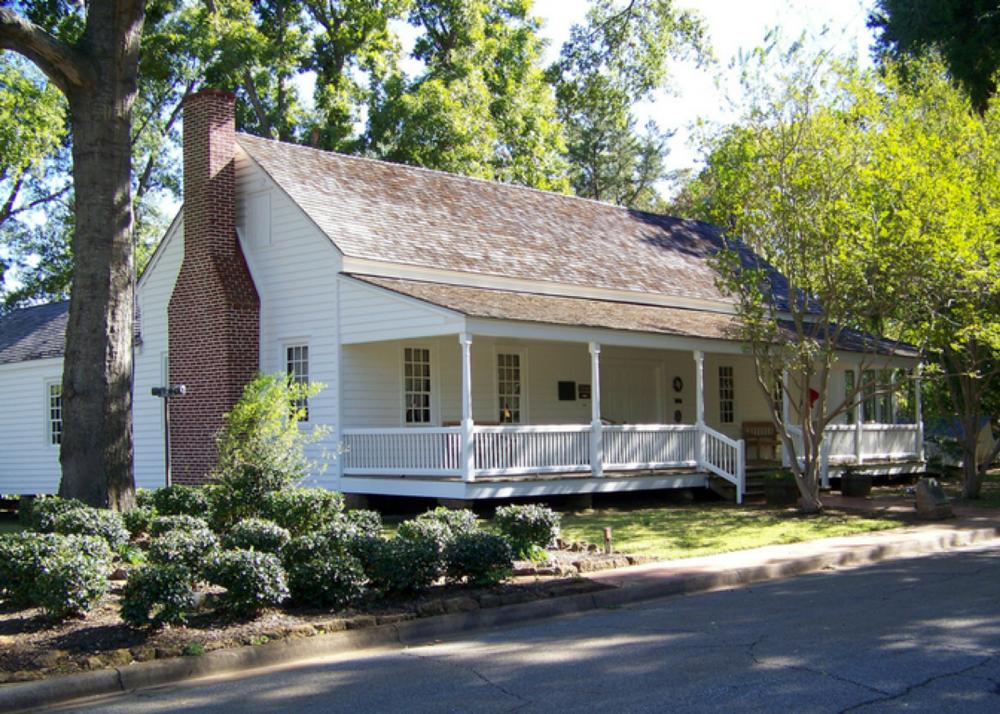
x=596, y=432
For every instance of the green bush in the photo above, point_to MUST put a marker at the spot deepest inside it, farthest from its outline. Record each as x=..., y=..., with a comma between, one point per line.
x=139, y=520
x=181, y=501
x=256, y=534
x=362, y=522
x=302, y=510
x=157, y=594
x=253, y=581
x=429, y=530
x=21, y=556
x=144, y=497
x=192, y=549
x=527, y=527
x=333, y=578
x=456, y=521
x=482, y=558
x=165, y=524
x=401, y=565
x=42, y=512
x=98, y=522
x=261, y=448
x=73, y=578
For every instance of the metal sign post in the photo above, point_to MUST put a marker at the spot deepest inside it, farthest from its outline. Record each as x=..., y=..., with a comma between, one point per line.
x=165, y=393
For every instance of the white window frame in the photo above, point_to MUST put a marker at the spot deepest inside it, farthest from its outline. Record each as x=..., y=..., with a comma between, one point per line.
x=49, y=421
x=287, y=346
x=432, y=411
x=731, y=399
x=523, y=367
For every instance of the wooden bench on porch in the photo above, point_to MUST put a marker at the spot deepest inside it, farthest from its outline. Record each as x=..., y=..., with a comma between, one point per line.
x=760, y=434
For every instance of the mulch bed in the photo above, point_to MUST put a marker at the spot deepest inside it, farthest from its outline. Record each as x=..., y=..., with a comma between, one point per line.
x=34, y=647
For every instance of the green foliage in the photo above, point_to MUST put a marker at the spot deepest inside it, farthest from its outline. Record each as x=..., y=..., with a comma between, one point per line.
x=256, y=534
x=302, y=510
x=63, y=575
x=144, y=497
x=139, y=520
x=455, y=521
x=482, y=558
x=253, y=581
x=322, y=574
x=261, y=447
x=99, y=522
x=527, y=526
x=181, y=501
x=165, y=524
x=965, y=32
x=193, y=549
x=42, y=512
x=360, y=522
x=157, y=594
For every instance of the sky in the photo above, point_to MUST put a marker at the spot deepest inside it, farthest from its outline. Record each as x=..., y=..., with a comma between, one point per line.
x=733, y=25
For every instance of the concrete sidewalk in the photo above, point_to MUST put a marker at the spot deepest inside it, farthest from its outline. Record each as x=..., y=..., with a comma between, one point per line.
x=624, y=586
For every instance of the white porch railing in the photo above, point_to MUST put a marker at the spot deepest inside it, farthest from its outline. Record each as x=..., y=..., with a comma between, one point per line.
x=425, y=451
x=879, y=442
x=726, y=458
x=650, y=446
x=513, y=450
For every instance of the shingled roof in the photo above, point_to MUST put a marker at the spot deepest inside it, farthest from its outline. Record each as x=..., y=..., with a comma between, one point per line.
x=414, y=216
x=36, y=332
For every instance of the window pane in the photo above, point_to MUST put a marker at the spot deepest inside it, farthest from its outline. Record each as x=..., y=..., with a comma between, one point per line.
x=417, y=385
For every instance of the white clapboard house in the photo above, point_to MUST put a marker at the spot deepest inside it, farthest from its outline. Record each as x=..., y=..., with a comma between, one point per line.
x=476, y=339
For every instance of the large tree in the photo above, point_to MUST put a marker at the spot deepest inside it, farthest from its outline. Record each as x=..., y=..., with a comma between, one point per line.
x=93, y=59
x=965, y=32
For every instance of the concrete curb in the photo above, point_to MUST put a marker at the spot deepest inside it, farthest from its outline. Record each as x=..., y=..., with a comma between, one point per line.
x=626, y=586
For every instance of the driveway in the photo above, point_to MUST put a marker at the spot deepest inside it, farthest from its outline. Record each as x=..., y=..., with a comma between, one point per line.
x=921, y=634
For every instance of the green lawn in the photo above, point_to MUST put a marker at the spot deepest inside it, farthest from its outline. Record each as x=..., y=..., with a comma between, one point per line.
x=704, y=529
x=989, y=496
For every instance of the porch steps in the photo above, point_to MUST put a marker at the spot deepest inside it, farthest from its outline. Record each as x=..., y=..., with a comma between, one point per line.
x=725, y=489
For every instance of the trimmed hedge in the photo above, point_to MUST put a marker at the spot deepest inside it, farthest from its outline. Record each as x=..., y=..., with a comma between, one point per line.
x=402, y=565
x=165, y=524
x=42, y=512
x=482, y=558
x=157, y=594
x=139, y=520
x=181, y=501
x=527, y=527
x=98, y=522
x=456, y=521
x=192, y=549
x=256, y=534
x=302, y=510
x=253, y=581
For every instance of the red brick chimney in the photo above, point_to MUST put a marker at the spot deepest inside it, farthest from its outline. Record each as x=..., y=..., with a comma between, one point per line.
x=214, y=311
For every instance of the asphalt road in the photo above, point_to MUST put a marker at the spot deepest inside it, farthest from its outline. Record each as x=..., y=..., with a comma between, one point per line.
x=915, y=635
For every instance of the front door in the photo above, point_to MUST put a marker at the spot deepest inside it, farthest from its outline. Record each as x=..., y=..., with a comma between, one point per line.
x=630, y=392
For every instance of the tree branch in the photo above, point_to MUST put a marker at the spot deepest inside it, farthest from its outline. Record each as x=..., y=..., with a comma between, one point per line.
x=60, y=62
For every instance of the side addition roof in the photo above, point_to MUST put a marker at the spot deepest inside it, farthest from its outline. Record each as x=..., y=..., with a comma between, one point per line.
x=34, y=332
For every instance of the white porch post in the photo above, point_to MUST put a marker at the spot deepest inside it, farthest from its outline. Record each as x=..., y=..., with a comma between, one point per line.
x=824, y=464
x=699, y=414
x=596, y=431
x=892, y=396
x=859, y=425
x=786, y=415
x=918, y=411
x=468, y=447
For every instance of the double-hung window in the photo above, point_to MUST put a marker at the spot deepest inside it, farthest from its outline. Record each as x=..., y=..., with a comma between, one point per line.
x=297, y=364
x=416, y=385
x=53, y=399
x=727, y=395
x=509, y=387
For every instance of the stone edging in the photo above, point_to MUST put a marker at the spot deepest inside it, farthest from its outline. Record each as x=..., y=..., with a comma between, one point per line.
x=17, y=697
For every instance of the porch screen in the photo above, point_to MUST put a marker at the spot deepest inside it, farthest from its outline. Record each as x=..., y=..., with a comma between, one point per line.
x=727, y=395
x=509, y=387
x=417, y=385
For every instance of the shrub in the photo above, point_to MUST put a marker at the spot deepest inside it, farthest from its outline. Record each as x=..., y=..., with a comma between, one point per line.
x=21, y=556
x=157, y=594
x=253, y=581
x=363, y=522
x=139, y=520
x=261, y=448
x=256, y=534
x=192, y=549
x=43, y=511
x=144, y=497
x=165, y=524
x=456, y=521
x=99, y=522
x=402, y=565
x=527, y=527
x=302, y=510
x=181, y=501
x=72, y=578
x=483, y=558
x=333, y=578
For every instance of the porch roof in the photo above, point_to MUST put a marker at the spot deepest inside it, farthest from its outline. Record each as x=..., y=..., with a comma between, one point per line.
x=492, y=303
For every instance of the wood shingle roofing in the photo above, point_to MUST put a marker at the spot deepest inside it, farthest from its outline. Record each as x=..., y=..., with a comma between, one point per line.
x=401, y=214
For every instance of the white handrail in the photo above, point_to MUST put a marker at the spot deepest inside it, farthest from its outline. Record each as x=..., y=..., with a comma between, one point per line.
x=726, y=458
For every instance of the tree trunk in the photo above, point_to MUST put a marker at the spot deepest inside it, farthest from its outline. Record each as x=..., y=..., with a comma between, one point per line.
x=96, y=452
x=972, y=480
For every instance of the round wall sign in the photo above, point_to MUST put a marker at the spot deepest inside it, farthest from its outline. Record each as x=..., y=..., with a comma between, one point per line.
x=678, y=384
x=678, y=417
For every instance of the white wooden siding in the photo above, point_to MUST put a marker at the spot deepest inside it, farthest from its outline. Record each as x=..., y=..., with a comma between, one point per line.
x=369, y=314
x=295, y=273
x=29, y=463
